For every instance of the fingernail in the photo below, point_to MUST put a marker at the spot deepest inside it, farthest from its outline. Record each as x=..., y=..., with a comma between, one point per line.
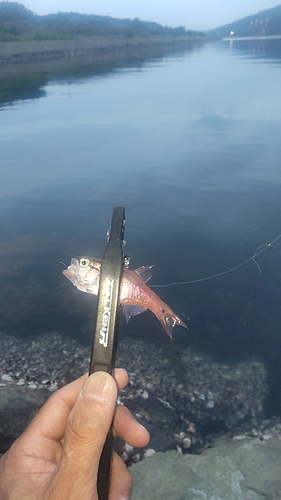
x=98, y=386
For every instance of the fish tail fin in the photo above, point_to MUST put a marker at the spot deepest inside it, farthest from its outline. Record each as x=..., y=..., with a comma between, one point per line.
x=168, y=320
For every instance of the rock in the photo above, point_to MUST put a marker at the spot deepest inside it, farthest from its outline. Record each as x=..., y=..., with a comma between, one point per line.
x=18, y=405
x=248, y=470
x=32, y=385
x=148, y=453
x=21, y=381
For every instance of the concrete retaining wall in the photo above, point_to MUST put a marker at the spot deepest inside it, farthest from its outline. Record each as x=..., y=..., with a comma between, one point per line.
x=28, y=52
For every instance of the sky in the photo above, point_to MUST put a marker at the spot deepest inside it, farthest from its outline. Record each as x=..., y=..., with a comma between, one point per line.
x=192, y=14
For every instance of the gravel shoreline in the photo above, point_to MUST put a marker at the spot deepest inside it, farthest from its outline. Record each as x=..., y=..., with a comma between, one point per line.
x=186, y=403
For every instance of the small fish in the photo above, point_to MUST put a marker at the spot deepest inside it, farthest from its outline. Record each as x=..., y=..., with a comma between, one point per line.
x=135, y=295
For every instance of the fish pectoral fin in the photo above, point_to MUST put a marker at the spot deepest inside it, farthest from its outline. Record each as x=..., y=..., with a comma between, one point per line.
x=144, y=272
x=130, y=310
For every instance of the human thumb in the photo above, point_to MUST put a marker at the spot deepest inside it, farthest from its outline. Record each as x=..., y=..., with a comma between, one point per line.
x=87, y=427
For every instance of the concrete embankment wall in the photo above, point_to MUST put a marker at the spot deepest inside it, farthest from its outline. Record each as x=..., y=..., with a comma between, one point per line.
x=29, y=52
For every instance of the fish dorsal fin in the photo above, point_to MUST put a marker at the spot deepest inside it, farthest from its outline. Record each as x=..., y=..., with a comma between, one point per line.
x=131, y=310
x=144, y=273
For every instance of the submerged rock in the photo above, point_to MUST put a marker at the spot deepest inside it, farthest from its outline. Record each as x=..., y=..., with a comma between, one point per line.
x=18, y=405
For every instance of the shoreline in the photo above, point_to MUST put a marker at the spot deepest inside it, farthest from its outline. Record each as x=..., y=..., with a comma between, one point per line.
x=12, y=53
x=184, y=398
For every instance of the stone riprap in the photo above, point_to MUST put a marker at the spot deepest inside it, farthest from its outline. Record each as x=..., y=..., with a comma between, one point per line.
x=246, y=470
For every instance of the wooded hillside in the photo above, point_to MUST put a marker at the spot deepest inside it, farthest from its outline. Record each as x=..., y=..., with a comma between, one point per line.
x=265, y=23
x=20, y=24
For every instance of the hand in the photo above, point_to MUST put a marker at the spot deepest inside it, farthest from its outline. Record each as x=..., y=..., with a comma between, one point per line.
x=57, y=456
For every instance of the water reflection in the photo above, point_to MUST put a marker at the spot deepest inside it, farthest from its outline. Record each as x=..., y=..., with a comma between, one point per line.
x=260, y=49
x=19, y=82
x=21, y=87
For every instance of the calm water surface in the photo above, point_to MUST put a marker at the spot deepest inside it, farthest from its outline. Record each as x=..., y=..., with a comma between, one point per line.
x=190, y=145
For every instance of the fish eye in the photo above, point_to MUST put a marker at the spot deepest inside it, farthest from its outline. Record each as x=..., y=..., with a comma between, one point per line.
x=84, y=262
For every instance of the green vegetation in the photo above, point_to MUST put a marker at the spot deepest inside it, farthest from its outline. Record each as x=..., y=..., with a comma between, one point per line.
x=265, y=23
x=20, y=24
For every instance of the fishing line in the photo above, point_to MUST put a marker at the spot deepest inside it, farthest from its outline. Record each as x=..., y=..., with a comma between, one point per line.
x=257, y=252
